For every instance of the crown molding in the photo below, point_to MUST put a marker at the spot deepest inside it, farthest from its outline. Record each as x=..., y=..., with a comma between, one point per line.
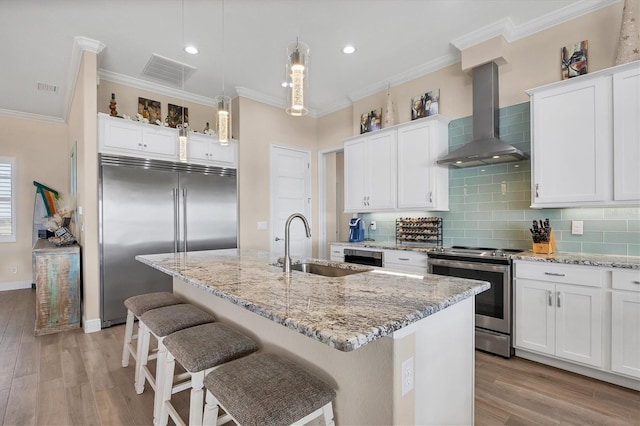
x=29, y=116
x=334, y=106
x=511, y=32
x=80, y=45
x=274, y=101
x=139, y=83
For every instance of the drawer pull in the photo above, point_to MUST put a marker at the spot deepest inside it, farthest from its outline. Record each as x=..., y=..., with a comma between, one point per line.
x=336, y=252
x=403, y=258
x=554, y=274
x=636, y=282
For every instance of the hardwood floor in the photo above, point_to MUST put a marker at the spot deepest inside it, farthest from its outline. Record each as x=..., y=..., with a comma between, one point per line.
x=72, y=378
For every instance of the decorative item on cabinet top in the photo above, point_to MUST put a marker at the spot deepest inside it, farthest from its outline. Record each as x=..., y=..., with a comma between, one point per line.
x=419, y=230
x=370, y=121
x=425, y=105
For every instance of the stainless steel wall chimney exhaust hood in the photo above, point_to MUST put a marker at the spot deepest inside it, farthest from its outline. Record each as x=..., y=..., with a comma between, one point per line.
x=485, y=148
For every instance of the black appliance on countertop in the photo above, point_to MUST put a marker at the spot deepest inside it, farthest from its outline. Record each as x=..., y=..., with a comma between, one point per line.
x=493, y=307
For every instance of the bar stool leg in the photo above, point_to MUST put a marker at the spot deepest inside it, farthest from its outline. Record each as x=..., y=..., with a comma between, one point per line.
x=197, y=398
x=128, y=336
x=143, y=355
x=211, y=411
x=327, y=414
x=158, y=397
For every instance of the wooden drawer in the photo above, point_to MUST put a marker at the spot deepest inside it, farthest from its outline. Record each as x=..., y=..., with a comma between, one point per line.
x=625, y=279
x=400, y=257
x=567, y=274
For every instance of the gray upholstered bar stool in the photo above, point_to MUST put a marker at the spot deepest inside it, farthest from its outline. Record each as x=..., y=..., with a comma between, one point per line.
x=136, y=306
x=266, y=389
x=198, y=349
x=160, y=323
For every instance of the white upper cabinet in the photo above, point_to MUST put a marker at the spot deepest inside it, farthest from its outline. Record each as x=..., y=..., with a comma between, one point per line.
x=584, y=140
x=205, y=149
x=422, y=184
x=626, y=134
x=395, y=168
x=370, y=172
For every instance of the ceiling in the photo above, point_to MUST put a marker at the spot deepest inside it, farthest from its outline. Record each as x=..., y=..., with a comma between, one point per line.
x=396, y=41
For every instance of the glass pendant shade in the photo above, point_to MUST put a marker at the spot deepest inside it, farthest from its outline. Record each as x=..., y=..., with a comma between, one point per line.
x=223, y=119
x=183, y=137
x=297, y=78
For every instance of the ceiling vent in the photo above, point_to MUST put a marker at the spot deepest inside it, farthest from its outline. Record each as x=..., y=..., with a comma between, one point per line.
x=46, y=87
x=167, y=70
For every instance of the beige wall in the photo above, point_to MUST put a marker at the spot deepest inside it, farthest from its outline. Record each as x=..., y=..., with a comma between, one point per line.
x=39, y=148
x=261, y=126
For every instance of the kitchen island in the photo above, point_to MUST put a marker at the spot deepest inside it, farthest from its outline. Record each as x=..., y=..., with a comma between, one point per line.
x=398, y=349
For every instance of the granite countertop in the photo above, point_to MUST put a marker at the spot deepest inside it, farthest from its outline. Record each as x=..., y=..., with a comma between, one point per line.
x=345, y=313
x=389, y=245
x=587, y=259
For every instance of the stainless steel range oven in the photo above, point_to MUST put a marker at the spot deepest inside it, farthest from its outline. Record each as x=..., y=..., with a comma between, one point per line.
x=494, y=306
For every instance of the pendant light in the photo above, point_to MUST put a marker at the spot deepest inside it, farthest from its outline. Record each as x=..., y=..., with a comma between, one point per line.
x=297, y=73
x=223, y=103
x=297, y=69
x=183, y=132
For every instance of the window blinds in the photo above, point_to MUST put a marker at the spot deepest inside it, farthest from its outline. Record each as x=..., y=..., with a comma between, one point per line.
x=6, y=205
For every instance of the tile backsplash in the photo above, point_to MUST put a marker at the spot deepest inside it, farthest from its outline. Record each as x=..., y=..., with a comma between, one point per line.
x=489, y=206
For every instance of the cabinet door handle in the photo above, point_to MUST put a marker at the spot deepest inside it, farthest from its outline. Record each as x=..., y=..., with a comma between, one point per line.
x=431, y=196
x=550, y=297
x=537, y=190
x=554, y=274
x=636, y=282
x=558, y=300
x=404, y=258
x=335, y=251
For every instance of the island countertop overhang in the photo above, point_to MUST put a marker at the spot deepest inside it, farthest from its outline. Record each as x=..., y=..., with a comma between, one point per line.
x=345, y=313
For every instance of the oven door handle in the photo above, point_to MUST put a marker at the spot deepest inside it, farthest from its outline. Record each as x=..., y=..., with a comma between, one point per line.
x=491, y=267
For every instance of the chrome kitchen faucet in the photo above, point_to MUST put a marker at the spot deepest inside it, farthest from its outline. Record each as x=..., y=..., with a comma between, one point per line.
x=287, y=259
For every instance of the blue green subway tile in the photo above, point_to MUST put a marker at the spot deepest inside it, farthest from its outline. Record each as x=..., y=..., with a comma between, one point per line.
x=478, y=233
x=633, y=249
x=463, y=190
x=519, y=205
x=451, y=216
x=492, y=206
x=459, y=140
x=455, y=131
x=508, y=215
x=605, y=225
x=511, y=119
x=455, y=182
x=464, y=224
x=513, y=138
x=465, y=208
x=523, y=107
x=604, y=248
x=508, y=234
x=494, y=169
x=632, y=213
x=471, y=171
x=520, y=127
x=456, y=199
x=583, y=214
x=478, y=180
x=587, y=237
x=568, y=247
x=522, y=185
x=633, y=225
x=522, y=166
x=622, y=237
x=489, y=188
x=509, y=177
x=464, y=241
x=468, y=129
x=489, y=224
x=551, y=214
x=478, y=198
x=519, y=224
x=561, y=225
x=477, y=216
x=461, y=122
x=511, y=196
x=455, y=233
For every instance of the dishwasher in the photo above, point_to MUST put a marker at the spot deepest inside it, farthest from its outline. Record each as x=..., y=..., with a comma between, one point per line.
x=364, y=257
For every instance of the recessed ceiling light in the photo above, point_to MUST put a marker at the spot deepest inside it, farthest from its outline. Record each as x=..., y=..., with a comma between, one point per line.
x=191, y=49
x=348, y=49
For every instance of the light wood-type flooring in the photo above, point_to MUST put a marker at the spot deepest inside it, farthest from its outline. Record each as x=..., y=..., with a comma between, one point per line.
x=73, y=378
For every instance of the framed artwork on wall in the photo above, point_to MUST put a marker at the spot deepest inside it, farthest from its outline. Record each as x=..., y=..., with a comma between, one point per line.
x=574, y=59
x=174, y=115
x=149, y=109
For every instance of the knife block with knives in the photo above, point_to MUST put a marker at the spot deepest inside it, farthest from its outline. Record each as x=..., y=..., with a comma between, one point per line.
x=544, y=241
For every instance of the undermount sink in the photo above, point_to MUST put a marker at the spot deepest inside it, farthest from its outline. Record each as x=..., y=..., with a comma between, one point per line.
x=324, y=270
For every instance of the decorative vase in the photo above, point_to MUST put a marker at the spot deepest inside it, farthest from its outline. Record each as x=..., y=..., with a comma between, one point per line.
x=629, y=41
x=389, y=112
x=112, y=106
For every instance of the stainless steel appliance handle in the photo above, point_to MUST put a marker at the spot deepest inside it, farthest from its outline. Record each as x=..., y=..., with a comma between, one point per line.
x=554, y=274
x=558, y=300
x=404, y=258
x=184, y=218
x=175, y=220
x=550, y=294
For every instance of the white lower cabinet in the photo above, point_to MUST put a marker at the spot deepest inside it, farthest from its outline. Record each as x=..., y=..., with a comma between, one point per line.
x=406, y=261
x=585, y=319
x=625, y=323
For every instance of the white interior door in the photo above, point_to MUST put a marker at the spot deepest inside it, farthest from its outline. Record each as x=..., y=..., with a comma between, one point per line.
x=290, y=193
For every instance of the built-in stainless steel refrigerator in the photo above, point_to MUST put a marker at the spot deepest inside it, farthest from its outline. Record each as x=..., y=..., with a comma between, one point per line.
x=148, y=207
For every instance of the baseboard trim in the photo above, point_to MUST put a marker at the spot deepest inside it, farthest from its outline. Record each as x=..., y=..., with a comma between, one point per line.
x=92, y=325
x=16, y=285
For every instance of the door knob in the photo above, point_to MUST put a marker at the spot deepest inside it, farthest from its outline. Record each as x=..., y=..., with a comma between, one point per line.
x=279, y=239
